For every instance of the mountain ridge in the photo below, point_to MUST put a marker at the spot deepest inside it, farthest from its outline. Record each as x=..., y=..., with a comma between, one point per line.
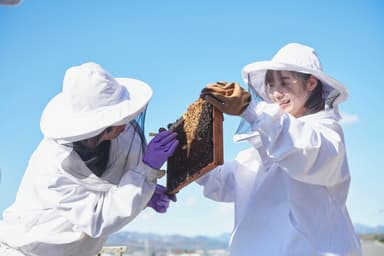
x=140, y=240
x=137, y=240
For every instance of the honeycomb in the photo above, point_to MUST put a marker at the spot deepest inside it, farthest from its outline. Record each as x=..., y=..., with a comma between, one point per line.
x=197, y=132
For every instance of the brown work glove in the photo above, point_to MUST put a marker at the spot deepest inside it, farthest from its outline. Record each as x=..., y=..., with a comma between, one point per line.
x=230, y=98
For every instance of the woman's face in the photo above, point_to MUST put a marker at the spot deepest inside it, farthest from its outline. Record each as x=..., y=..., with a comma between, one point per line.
x=290, y=91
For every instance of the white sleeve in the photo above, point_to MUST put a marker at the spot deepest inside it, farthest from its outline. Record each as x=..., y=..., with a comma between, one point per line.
x=98, y=213
x=309, y=151
x=219, y=183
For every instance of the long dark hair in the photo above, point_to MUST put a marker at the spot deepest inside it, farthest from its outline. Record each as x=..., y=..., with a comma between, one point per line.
x=315, y=101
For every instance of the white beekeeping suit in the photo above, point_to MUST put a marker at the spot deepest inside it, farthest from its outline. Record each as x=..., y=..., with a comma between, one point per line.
x=290, y=186
x=62, y=207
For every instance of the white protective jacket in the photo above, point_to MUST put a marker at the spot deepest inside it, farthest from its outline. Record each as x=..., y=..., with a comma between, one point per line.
x=290, y=188
x=62, y=208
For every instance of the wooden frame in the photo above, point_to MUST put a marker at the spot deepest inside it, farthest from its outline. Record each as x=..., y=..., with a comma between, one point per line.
x=182, y=178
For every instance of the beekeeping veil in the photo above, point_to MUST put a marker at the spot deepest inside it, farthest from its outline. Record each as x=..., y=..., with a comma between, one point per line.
x=292, y=57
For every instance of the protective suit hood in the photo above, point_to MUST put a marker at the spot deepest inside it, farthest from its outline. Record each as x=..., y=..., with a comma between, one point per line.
x=92, y=100
x=299, y=58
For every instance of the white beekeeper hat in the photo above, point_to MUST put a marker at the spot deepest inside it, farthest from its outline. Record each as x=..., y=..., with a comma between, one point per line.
x=92, y=100
x=299, y=58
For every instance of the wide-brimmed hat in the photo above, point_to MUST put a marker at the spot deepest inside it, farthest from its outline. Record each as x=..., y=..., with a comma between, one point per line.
x=92, y=100
x=299, y=58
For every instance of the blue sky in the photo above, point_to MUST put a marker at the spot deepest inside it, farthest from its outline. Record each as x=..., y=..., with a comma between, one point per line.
x=178, y=47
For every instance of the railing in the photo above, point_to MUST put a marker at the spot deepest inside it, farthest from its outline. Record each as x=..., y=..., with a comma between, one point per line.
x=116, y=250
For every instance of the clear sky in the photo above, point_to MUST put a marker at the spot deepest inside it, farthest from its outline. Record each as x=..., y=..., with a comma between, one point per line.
x=178, y=47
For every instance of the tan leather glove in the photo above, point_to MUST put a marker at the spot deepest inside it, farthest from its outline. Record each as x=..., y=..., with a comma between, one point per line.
x=230, y=98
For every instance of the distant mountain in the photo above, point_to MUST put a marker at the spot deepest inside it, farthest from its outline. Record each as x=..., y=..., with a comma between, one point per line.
x=224, y=237
x=364, y=229
x=138, y=241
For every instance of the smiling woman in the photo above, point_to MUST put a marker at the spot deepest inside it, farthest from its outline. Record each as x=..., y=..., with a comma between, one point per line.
x=294, y=176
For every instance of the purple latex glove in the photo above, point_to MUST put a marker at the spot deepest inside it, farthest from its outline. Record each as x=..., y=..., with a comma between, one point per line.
x=160, y=148
x=160, y=199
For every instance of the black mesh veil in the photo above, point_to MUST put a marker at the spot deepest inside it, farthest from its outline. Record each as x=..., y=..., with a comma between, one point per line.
x=244, y=130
